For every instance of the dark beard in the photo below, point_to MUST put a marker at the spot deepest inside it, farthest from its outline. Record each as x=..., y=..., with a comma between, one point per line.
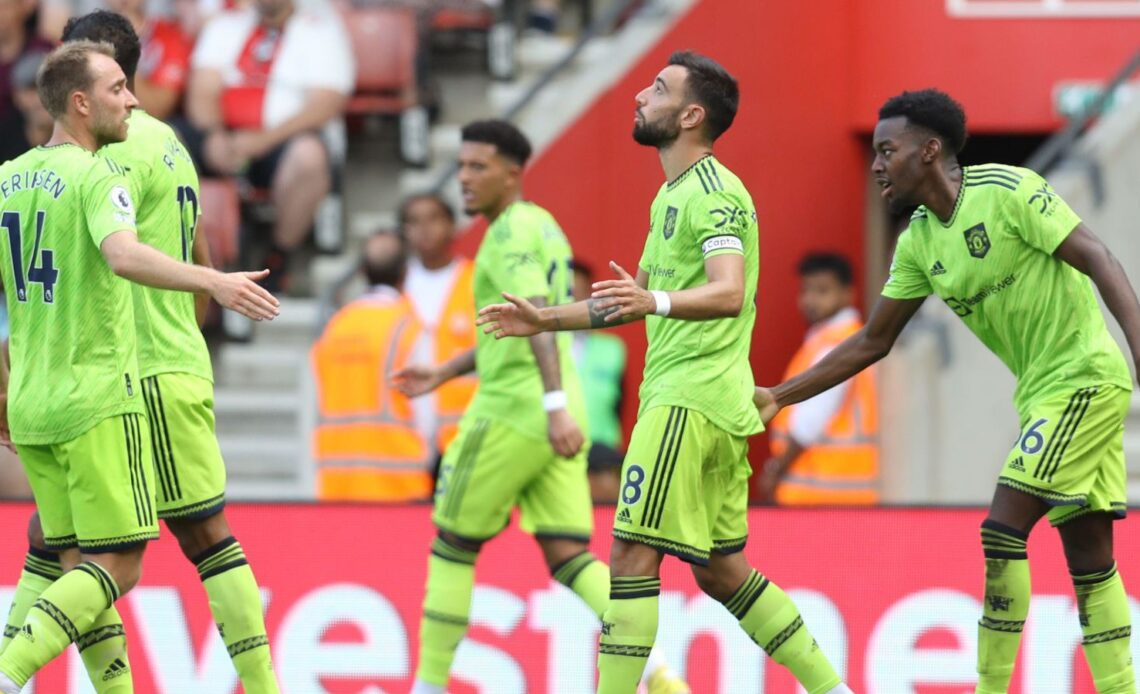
x=654, y=134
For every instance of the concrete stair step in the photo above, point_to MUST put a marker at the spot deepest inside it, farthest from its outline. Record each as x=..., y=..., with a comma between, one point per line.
x=269, y=414
x=263, y=458
x=260, y=367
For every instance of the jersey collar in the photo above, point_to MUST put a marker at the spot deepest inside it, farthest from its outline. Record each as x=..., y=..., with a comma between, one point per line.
x=685, y=174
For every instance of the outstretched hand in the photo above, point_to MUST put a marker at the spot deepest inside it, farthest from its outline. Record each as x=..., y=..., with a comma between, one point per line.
x=415, y=380
x=517, y=318
x=622, y=299
x=240, y=291
x=765, y=403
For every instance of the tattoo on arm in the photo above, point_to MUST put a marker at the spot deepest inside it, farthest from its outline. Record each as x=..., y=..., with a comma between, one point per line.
x=598, y=315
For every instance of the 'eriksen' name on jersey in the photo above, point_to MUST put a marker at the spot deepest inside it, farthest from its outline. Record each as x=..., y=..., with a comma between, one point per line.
x=31, y=180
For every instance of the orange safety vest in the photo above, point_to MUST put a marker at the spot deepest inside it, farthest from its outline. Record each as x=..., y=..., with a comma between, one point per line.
x=843, y=466
x=455, y=335
x=366, y=445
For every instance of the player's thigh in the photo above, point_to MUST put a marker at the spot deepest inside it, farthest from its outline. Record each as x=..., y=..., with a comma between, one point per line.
x=111, y=484
x=1070, y=452
x=481, y=477
x=556, y=504
x=726, y=492
x=662, y=502
x=48, y=479
x=189, y=472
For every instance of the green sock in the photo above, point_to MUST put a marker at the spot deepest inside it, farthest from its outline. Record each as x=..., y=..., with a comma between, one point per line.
x=103, y=648
x=629, y=628
x=235, y=603
x=587, y=577
x=41, y=569
x=1106, y=622
x=447, y=605
x=65, y=610
x=773, y=621
x=1005, y=605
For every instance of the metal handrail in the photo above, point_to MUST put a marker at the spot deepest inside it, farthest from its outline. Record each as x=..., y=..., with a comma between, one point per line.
x=601, y=25
x=1059, y=145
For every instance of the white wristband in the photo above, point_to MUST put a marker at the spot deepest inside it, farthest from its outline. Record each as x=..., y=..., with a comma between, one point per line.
x=554, y=400
x=663, y=303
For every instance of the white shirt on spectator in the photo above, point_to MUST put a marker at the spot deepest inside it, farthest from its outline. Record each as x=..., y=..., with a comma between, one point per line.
x=314, y=53
x=428, y=290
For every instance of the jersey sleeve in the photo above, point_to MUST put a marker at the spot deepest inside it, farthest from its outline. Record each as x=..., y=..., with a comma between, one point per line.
x=906, y=279
x=1039, y=215
x=719, y=222
x=519, y=259
x=108, y=205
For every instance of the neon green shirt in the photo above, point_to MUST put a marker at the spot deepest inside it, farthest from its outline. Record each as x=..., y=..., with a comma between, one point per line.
x=702, y=365
x=165, y=186
x=72, y=338
x=993, y=264
x=525, y=253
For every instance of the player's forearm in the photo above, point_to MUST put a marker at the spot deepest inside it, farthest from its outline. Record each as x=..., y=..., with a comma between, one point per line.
x=458, y=365
x=545, y=348
x=580, y=315
x=1119, y=296
x=142, y=264
x=849, y=358
x=200, y=252
x=719, y=299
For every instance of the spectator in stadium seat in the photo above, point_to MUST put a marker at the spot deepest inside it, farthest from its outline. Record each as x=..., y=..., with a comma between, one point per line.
x=16, y=41
x=366, y=444
x=439, y=287
x=165, y=62
x=600, y=358
x=267, y=92
x=38, y=122
x=825, y=450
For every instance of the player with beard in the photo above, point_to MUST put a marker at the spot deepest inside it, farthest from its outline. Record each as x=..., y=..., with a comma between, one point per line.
x=1014, y=262
x=520, y=442
x=74, y=401
x=684, y=489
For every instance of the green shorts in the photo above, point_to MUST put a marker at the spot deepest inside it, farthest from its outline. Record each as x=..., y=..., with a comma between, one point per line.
x=491, y=467
x=1071, y=452
x=190, y=475
x=684, y=486
x=95, y=492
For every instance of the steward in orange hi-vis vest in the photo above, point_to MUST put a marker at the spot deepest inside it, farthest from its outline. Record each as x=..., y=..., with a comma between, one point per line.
x=366, y=445
x=842, y=466
x=455, y=335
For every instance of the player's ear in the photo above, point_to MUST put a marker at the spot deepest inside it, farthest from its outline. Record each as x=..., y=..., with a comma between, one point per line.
x=81, y=102
x=692, y=116
x=931, y=150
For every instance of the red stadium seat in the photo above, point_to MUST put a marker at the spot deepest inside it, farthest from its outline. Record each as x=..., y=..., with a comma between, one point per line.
x=384, y=43
x=221, y=219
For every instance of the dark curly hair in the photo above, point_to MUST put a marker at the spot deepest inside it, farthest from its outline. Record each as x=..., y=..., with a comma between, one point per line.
x=933, y=110
x=111, y=28
x=507, y=139
x=711, y=86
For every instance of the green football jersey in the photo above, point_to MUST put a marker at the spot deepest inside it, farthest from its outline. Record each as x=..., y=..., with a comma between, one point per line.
x=165, y=187
x=524, y=253
x=993, y=264
x=72, y=337
x=702, y=365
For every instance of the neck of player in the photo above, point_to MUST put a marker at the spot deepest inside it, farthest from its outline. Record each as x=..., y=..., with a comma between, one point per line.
x=676, y=158
x=941, y=193
x=63, y=133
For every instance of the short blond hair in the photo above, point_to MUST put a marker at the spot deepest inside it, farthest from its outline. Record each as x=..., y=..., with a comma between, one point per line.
x=67, y=70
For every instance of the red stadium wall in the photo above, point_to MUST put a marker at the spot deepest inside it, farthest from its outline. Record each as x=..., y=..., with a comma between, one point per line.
x=896, y=609
x=812, y=76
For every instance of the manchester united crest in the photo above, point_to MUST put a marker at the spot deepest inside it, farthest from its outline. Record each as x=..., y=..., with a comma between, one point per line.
x=977, y=241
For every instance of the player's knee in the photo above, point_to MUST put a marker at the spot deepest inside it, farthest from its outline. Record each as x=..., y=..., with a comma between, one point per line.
x=200, y=534
x=633, y=559
x=714, y=584
x=36, y=532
